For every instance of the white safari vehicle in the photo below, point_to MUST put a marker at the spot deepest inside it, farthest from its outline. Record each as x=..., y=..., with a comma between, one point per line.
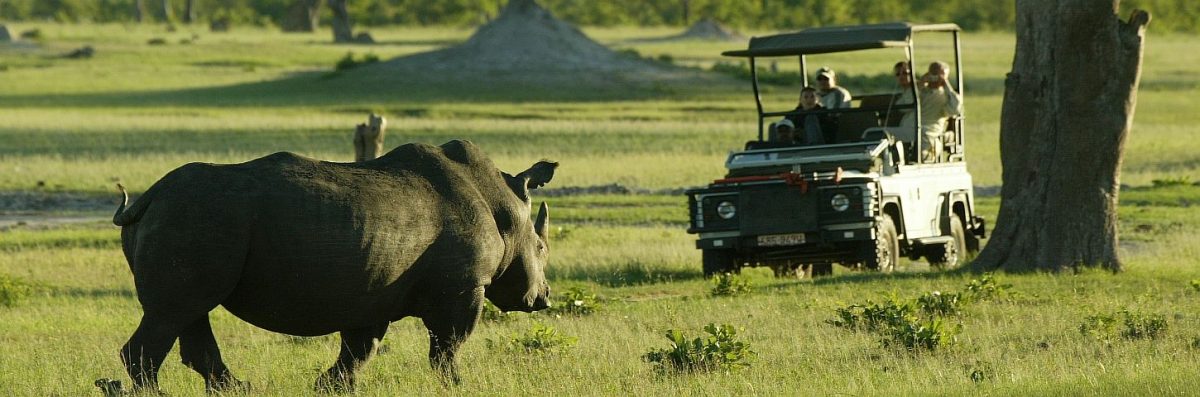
x=864, y=197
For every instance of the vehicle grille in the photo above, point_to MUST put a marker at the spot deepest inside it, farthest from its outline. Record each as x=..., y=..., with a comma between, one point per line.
x=778, y=209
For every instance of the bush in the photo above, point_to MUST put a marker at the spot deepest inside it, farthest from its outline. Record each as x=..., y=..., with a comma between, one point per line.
x=915, y=334
x=985, y=288
x=720, y=350
x=938, y=304
x=729, y=285
x=1196, y=285
x=539, y=339
x=13, y=290
x=874, y=317
x=1144, y=326
x=576, y=302
x=491, y=313
x=1168, y=182
x=1137, y=326
x=348, y=62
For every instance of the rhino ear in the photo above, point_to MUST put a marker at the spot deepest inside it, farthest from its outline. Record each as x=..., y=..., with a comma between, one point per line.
x=539, y=174
x=542, y=225
x=517, y=184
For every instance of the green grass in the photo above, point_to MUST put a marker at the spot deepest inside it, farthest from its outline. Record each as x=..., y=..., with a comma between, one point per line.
x=136, y=111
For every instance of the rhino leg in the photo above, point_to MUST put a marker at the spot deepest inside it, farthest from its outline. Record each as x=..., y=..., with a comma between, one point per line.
x=143, y=354
x=358, y=346
x=449, y=324
x=199, y=351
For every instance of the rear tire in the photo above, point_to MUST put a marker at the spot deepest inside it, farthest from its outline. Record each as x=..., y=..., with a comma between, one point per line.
x=719, y=261
x=887, y=247
x=949, y=256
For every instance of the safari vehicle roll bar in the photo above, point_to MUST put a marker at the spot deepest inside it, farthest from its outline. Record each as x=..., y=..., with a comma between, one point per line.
x=845, y=39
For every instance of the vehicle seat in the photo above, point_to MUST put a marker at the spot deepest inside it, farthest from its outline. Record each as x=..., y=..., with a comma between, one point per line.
x=852, y=125
x=896, y=145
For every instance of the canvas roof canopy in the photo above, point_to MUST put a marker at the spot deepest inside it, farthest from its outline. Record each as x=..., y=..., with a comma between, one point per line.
x=837, y=39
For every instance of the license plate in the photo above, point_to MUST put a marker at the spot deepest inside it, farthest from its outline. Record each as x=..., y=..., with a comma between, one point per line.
x=776, y=240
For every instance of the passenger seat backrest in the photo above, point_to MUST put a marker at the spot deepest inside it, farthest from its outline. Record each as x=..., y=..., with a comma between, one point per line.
x=852, y=125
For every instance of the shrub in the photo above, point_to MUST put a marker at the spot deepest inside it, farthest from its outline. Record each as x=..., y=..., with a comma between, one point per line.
x=13, y=290
x=1196, y=285
x=1099, y=326
x=576, y=302
x=938, y=304
x=491, y=313
x=720, y=350
x=873, y=317
x=1143, y=326
x=729, y=285
x=348, y=62
x=1137, y=326
x=539, y=339
x=985, y=288
x=916, y=334
x=1168, y=182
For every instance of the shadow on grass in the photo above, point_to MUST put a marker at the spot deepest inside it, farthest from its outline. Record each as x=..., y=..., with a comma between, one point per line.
x=376, y=84
x=629, y=274
x=92, y=293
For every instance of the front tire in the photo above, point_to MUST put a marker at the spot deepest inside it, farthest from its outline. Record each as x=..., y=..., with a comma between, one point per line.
x=950, y=255
x=719, y=261
x=886, y=252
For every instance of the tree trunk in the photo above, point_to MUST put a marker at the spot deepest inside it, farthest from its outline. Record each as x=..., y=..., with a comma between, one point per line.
x=687, y=13
x=368, y=138
x=1068, y=107
x=302, y=16
x=189, y=11
x=166, y=11
x=343, y=31
x=139, y=10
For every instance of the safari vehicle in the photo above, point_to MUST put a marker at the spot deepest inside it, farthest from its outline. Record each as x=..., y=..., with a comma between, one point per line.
x=862, y=200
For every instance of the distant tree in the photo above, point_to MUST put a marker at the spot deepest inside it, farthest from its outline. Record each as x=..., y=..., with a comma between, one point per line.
x=1068, y=107
x=166, y=11
x=343, y=30
x=302, y=16
x=139, y=10
x=189, y=11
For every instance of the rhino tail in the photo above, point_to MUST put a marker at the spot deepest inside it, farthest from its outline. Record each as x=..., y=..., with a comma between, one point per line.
x=126, y=214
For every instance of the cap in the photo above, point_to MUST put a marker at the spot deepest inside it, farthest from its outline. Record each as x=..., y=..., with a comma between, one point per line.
x=826, y=72
x=784, y=122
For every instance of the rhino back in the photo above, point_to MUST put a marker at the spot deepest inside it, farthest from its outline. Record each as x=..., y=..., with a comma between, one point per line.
x=335, y=245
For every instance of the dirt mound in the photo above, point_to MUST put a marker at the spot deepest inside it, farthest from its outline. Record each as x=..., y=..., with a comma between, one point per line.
x=525, y=37
x=710, y=29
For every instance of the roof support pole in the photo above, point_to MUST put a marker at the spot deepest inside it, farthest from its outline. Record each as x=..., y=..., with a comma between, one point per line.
x=757, y=97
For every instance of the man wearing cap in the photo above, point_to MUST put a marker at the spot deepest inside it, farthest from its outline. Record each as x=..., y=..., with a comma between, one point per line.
x=785, y=132
x=832, y=96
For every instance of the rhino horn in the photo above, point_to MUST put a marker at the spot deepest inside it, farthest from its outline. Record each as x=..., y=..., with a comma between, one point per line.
x=543, y=222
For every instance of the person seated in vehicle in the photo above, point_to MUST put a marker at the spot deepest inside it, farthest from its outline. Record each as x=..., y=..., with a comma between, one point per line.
x=939, y=102
x=832, y=96
x=785, y=133
x=814, y=128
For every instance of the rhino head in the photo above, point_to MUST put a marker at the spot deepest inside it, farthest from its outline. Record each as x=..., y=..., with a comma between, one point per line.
x=521, y=284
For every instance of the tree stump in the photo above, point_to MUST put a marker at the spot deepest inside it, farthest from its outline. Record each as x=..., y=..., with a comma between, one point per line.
x=368, y=138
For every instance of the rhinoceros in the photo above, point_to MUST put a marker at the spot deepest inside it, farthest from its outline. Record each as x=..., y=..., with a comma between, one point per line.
x=306, y=247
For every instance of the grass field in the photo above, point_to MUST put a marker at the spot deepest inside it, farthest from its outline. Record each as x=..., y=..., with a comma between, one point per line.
x=135, y=111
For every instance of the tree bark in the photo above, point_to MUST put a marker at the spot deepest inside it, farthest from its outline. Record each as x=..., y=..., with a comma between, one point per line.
x=1068, y=107
x=189, y=11
x=343, y=30
x=166, y=11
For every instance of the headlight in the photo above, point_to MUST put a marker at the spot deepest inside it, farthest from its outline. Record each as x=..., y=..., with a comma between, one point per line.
x=839, y=202
x=726, y=210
